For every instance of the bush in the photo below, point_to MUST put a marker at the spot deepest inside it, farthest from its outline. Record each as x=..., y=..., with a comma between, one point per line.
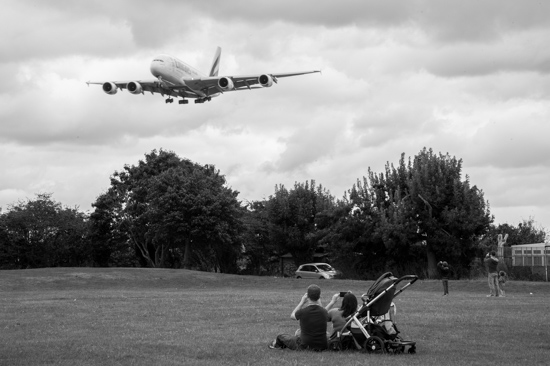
x=520, y=273
x=477, y=269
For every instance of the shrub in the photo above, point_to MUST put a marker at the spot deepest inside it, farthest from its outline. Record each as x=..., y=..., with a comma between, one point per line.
x=520, y=273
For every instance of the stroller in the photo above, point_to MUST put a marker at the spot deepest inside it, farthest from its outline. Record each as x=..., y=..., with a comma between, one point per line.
x=370, y=329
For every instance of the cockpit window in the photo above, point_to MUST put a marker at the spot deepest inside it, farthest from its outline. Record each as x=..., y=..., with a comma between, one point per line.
x=158, y=59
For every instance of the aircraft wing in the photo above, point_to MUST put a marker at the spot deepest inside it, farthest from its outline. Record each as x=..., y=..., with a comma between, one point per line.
x=214, y=85
x=153, y=86
x=284, y=75
x=197, y=88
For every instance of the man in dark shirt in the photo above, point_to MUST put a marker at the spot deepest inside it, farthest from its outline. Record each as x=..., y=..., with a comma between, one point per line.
x=491, y=262
x=444, y=271
x=313, y=324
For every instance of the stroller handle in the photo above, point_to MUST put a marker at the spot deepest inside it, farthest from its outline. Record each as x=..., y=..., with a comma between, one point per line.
x=411, y=278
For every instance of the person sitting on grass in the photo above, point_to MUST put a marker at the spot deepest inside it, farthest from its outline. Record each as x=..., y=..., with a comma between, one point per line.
x=338, y=316
x=313, y=324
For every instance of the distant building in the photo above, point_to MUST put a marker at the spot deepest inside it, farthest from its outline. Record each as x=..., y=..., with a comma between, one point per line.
x=530, y=255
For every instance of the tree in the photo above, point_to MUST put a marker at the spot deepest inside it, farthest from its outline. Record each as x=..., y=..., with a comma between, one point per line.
x=43, y=233
x=292, y=216
x=110, y=246
x=397, y=225
x=525, y=233
x=452, y=214
x=170, y=207
x=258, y=248
x=426, y=201
x=349, y=234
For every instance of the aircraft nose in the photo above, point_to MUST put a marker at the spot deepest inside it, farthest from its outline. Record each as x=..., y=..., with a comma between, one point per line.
x=156, y=67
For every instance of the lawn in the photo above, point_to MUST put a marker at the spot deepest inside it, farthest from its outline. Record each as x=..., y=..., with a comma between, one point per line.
x=114, y=316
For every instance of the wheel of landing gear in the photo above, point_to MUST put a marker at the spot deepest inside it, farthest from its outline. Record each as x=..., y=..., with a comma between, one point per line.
x=412, y=350
x=374, y=345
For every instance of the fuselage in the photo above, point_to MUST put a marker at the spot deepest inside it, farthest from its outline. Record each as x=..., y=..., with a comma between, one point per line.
x=173, y=70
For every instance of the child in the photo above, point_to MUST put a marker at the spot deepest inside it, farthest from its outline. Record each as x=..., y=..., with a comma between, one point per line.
x=444, y=271
x=502, y=278
x=387, y=320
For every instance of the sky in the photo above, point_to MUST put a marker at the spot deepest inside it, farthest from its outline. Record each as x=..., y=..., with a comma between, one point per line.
x=467, y=78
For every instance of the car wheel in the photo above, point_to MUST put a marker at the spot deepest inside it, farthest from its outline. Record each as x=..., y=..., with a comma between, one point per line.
x=298, y=277
x=321, y=278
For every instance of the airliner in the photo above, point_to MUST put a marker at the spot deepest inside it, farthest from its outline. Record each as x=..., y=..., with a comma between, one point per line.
x=176, y=79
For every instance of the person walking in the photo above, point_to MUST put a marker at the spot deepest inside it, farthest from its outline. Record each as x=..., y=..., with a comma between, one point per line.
x=491, y=263
x=444, y=271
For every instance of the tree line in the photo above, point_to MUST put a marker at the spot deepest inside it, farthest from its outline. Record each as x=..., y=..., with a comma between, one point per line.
x=170, y=212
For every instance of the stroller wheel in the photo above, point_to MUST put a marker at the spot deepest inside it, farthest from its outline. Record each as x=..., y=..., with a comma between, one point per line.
x=374, y=345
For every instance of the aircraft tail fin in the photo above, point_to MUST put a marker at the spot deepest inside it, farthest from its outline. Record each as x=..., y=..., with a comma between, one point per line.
x=216, y=63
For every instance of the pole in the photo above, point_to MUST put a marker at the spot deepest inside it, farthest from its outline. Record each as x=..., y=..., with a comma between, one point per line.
x=546, y=261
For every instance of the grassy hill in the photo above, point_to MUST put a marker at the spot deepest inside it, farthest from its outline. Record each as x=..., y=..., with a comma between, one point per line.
x=119, y=316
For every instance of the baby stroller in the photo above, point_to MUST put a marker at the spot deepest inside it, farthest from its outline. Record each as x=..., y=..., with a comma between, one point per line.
x=369, y=329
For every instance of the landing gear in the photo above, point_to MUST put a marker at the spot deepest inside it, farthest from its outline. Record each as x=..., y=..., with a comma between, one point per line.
x=202, y=100
x=186, y=101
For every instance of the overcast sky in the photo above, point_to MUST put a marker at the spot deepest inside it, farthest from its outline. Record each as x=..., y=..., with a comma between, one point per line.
x=468, y=78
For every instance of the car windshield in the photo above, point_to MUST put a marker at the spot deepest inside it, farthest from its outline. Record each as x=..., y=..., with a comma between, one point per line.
x=325, y=267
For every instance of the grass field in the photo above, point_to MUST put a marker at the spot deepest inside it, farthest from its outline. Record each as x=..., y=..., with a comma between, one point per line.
x=92, y=316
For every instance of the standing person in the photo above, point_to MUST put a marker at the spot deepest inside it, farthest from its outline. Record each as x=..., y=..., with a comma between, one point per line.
x=313, y=324
x=338, y=316
x=502, y=278
x=491, y=263
x=444, y=271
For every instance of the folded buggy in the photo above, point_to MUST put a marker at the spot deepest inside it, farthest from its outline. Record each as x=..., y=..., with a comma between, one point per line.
x=371, y=329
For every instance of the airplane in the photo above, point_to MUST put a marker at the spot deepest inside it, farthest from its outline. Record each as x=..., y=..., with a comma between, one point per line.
x=175, y=78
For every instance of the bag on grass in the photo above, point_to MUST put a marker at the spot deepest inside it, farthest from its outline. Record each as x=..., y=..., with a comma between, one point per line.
x=334, y=342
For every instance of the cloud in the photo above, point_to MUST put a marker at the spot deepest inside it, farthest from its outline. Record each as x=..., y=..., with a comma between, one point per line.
x=512, y=141
x=37, y=30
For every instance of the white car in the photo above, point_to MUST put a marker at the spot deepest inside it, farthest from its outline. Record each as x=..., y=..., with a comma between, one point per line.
x=316, y=270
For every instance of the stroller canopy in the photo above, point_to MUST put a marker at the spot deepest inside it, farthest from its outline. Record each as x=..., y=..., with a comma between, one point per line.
x=382, y=304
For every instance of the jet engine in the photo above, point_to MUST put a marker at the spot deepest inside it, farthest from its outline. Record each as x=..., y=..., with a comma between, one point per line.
x=134, y=87
x=226, y=84
x=265, y=80
x=110, y=88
